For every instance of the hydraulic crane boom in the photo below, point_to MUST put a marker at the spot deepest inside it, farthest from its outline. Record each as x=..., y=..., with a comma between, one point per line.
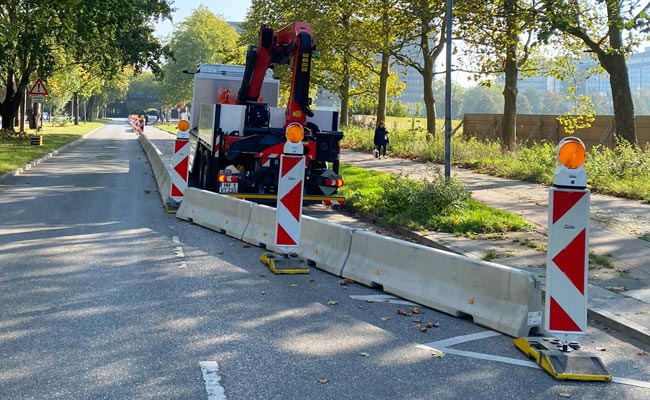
x=293, y=45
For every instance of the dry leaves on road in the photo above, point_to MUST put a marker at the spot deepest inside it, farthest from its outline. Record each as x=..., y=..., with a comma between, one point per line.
x=345, y=281
x=322, y=380
x=332, y=303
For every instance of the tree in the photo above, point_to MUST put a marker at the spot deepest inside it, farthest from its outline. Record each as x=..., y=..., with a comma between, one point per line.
x=609, y=30
x=102, y=34
x=500, y=36
x=427, y=36
x=203, y=37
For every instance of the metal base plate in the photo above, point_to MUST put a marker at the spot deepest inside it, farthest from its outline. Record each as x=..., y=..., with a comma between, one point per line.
x=574, y=364
x=284, y=264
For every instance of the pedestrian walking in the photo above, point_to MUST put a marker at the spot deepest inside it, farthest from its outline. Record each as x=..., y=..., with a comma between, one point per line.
x=381, y=140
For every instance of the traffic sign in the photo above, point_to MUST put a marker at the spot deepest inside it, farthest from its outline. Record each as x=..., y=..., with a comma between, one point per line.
x=38, y=98
x=38, y=89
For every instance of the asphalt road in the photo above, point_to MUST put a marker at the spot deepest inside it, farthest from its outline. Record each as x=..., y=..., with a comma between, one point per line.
x=105, y=296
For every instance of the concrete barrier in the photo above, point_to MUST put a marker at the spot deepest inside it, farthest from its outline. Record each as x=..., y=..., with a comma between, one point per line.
x=161, y=172
x=325, y=244
x=498, y=297
x=261, y=228
x=215, y=211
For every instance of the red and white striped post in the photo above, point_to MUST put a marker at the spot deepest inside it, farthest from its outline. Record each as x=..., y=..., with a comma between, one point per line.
x=568, y=247
x=180, y=161
x=290, y=191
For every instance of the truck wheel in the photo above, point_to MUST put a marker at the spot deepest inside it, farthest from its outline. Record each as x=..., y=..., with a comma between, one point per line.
x=206, y=172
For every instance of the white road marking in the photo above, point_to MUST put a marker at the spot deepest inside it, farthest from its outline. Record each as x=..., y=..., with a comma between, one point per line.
x=178, y=251
x=631, y=382
x=441, y=345
x=462, y=339
x=176, y=240
x=382, y=298
x=211, y=377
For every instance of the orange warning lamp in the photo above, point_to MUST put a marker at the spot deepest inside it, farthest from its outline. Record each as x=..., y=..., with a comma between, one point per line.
x=183, y=125
x=571, y=154
x=294, y=133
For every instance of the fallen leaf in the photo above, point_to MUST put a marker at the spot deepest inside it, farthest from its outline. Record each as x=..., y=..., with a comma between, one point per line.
x=437, y=353
x=616, y=288
x=220, y=252
x=293, y=285
x=312, y=281
x=345, y=281
x=378, y=232
x=322, y=380
x=364, y=354
x=423, y=330
x=369, y=301
x=415, y=310
x=262, y=275
x=417, y=321
x=385, y=318
x=332, y=303
x=601, y=349
x=642, y=353
x=435, y=325
x=146, y=191
x=402, y=312
x=471, y=300
x=565, y=395
x=263, y=292
x=246, y=245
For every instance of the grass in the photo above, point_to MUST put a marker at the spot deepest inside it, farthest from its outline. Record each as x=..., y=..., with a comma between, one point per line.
x=424, y=205
x=15, y=152
x=623, y=172
x=605, y=261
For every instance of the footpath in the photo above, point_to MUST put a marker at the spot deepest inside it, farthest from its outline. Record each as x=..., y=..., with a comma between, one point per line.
x=618, y=292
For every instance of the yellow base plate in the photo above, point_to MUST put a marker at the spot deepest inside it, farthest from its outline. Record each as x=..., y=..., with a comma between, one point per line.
x=574, y=365
x=289, y=264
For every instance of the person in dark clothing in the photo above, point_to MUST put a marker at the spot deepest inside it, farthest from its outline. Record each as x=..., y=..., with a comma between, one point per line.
x=381, y=140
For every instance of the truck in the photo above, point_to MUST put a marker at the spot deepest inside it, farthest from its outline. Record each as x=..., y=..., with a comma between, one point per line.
x=237, y=129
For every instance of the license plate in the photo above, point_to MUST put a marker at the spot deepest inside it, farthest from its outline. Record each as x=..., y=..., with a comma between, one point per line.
x=228, y=187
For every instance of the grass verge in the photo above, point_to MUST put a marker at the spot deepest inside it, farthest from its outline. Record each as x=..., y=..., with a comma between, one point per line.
x=433, y=205
x=16, y=152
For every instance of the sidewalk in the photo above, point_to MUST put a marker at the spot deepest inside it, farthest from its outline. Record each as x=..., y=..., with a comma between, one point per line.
x=619, y=297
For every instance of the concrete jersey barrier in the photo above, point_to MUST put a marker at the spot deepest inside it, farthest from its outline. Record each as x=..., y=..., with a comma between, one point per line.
x=215, y=211
x=324, y=244
x=161, y=172
x=261, y=228
x=498, y=297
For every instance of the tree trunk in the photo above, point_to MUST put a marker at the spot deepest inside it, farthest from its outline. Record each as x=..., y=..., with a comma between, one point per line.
x=429, y=99
x=13, y=99
x=509, y=129
x=619, y=82
x=75, y=108
x=427, y=77
x=383, y=87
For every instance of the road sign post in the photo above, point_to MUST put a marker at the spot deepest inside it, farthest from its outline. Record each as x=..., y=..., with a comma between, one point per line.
x=289, y=206
x=565, y=312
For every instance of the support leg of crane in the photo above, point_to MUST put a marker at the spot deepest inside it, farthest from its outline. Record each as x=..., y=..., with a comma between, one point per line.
x=572, y=364
x=284, y=263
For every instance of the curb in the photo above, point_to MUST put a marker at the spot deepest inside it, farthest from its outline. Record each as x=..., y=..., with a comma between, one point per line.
x=46, y=157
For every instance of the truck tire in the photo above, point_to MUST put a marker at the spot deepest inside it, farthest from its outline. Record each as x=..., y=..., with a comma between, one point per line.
x=206, y=178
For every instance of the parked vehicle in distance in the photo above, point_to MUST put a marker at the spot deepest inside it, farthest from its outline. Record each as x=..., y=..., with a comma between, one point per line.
x=151, y=118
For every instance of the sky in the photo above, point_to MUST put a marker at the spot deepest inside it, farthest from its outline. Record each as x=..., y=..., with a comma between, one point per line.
x=231, y=10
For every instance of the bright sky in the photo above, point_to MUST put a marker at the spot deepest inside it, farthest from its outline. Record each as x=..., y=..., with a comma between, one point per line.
x=231, y=10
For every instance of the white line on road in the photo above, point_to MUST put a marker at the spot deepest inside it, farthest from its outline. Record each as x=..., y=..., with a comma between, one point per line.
x=462, y=339
x=382, y=298
x=211, y=377
x=443, y=345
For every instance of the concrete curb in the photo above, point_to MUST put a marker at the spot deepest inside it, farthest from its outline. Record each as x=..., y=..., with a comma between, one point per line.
x=46, y=157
